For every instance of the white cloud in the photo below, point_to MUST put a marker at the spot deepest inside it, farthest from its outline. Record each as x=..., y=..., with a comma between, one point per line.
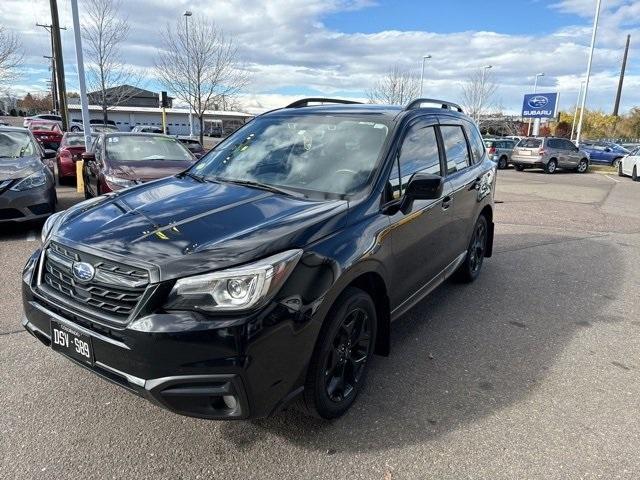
x=287, y=48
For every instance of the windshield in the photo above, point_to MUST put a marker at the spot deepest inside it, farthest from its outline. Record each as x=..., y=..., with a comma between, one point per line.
x=44, y=127
x=16, y=144
x=530, y=143
x=131, y=148
x=74, y=140
x=328, y=154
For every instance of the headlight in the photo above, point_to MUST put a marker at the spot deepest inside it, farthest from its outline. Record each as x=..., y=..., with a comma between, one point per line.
x=50, y=226
x=36, y=179
x=119, y=182
x=234, y=289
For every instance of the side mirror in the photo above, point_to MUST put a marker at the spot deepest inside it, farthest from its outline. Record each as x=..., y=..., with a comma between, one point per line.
x=49, y=153
x=89, y=157
x=607, y=149
x=424, y=186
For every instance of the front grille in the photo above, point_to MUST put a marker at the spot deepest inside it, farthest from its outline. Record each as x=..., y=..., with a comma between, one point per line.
x=114, y=291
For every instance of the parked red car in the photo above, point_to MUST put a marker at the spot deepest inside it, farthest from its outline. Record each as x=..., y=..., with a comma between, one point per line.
x=48, y=133
x=71, y=149
x=121, y=160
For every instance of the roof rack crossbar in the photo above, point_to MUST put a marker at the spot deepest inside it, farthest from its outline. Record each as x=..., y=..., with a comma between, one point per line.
x=443, y=104
x=304, y=102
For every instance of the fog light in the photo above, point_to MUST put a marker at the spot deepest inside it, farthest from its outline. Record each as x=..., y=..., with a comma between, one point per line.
x=230, y=401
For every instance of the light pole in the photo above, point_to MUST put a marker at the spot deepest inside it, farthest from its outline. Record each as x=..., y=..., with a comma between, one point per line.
x=481, y=93
x=422, y=72
x=187, y=14
x=575, y=113
x=586, y=82
x=535, y=90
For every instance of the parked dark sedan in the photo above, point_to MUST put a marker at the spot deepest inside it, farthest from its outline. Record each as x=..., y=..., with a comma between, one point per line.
x=272, y=269
x=27, y=185
x=121, y=160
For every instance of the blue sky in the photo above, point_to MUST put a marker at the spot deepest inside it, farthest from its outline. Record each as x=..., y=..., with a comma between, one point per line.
x=292, y=48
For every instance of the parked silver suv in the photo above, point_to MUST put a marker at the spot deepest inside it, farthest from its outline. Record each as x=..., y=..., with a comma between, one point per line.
x=499, y=150
x=549, y=153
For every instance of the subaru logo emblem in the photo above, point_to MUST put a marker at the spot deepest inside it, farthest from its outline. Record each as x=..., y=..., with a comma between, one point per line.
x=538, y=101
x=83, y=271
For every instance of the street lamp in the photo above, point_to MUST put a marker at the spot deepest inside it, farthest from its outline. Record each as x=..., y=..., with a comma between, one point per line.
x=575, y=113
x=187, y=14
x=480, y=99
x=422, y=72
x=535, y=89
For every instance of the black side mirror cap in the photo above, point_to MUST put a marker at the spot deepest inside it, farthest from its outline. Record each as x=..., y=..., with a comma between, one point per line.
x=424, y=186
x=49, y=153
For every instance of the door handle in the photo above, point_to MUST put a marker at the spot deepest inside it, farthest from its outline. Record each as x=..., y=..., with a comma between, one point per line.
x=446, y=202
x=474, y=185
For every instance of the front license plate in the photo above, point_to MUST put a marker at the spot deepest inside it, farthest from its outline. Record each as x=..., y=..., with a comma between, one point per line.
x=71, y=342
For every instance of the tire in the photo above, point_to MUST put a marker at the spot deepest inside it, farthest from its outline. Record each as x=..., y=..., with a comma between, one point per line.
x=87, y=194
x=470, y=268
x=519, y=168
x=634, y=174
x=502, y=163
x=75, y=129
x=583, y=166
x=620, y=174
x=341, y=356
x=551, y=166
x=616, y=162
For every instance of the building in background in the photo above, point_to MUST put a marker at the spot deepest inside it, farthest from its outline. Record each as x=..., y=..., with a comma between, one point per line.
x=126, y=96
x=216, y=122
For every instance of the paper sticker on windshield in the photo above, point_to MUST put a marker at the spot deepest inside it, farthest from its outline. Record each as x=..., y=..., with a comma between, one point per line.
x=113, y=140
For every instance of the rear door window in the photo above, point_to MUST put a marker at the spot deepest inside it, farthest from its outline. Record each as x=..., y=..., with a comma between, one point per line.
x=455, y=148
x=477, y=146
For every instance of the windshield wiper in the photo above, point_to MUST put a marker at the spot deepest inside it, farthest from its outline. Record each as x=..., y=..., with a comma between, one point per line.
x=261, y=186
x=195, y=176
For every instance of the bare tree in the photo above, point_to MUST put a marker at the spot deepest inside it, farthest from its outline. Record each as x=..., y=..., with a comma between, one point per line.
x=477, y=94
x=397, y=87
x=202, y=68
x=103, y=33
x=11, y=56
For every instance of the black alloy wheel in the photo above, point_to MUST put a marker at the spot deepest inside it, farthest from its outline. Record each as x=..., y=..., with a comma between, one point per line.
x=502, y=163
x=339, y=364
x=470, y=268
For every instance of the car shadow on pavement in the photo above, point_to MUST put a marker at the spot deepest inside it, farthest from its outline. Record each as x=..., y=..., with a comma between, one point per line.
x=466, y=351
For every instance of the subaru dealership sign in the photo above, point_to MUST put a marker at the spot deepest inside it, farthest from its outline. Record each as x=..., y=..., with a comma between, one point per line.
x=539, y=105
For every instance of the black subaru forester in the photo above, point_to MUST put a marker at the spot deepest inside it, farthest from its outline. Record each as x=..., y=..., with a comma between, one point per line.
x=270, y=271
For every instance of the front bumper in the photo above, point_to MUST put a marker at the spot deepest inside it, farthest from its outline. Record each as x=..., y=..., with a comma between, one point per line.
x=187, y=364
x=33, y=204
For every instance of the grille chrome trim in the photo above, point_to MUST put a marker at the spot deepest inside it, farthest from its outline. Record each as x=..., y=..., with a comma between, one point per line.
x=115, y=292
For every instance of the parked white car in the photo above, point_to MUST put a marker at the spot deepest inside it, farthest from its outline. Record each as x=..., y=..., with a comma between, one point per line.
x=630, y=165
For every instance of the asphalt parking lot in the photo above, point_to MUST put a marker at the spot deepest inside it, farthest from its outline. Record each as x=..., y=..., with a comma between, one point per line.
x=533, y=371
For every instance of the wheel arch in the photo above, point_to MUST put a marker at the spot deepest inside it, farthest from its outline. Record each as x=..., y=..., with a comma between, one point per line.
x=373, y=283
x=487, y=212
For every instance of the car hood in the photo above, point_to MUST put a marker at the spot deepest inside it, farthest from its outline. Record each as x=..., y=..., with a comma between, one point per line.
x=181, y=226
x=13, y=168
x=146, y=170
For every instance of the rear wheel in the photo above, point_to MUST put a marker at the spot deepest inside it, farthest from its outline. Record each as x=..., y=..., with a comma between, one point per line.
x=583, y=166
x=616, y=162
x=519, y=167
x=75, y=129
x=634, y=174
x=470, y=268
x=551, y=166
x=341, y=356
x=502, y=163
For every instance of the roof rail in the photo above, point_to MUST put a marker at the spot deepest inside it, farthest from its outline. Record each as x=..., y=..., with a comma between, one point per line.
x=304, y=102
x=443, y=104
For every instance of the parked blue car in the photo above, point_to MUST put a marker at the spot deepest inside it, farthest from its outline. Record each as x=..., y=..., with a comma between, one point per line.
x=606, y=153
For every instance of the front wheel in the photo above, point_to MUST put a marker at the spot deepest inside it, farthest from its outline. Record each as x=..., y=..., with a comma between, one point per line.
x=634, y=174
x=502, y=163
x=583, y=166
x=341, y=356
x=470, y=268
x=551, y=166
